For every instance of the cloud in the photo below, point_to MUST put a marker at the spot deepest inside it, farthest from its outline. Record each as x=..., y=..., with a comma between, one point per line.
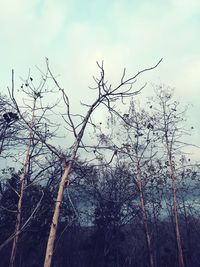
x=122, y=33
x=132, y=34
x=188, y=7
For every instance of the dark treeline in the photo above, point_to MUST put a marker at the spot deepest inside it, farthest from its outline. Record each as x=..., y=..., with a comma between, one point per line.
x=125, y=196
x=104, y=227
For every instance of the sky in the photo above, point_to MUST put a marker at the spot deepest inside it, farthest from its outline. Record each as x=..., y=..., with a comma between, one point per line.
x=123, y=33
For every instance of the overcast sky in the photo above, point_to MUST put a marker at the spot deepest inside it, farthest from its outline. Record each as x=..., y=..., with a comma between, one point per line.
x=124, y=33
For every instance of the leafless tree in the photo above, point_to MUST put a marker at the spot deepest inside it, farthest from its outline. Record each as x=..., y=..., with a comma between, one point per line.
x=135, y=141
x=170, y=124
x=106, y=95
x=33, y=120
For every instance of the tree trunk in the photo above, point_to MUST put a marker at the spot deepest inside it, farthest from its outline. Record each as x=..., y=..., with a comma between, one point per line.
x=146, y=230
x=19, y=206
x=188, y=233
x=21, y=195
x=178, y=238
x=63, y=183
x=54, y=224
x=177, y=230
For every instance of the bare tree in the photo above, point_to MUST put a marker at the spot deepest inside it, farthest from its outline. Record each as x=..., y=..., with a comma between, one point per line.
x=106, y=95
x=170, y=125
x=19, y=206
x=32, y=121
x=136, y=144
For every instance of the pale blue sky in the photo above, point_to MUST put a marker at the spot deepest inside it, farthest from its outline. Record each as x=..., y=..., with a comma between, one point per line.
x=123, y=33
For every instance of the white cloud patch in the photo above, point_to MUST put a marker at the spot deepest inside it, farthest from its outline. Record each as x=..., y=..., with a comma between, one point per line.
x=126, y=35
